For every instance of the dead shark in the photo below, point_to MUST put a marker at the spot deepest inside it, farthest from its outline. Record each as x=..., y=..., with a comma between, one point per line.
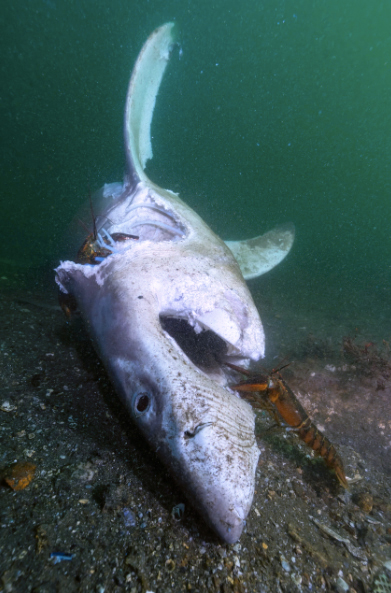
x=165, y=311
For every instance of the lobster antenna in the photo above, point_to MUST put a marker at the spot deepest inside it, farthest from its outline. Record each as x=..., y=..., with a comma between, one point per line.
x=94, y=231
x=274, y=371
x=83, y=224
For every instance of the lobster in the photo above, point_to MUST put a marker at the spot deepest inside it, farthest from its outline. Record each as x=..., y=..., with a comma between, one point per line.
x=271, y=393
x=96, y=247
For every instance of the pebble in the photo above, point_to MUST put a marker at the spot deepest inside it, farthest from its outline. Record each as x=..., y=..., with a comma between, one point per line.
x=365, y=501
x=298, y=489
x=84, y=473
x=341, y=585
x=129, y=518
x=285, y=565
x=28, y=452
x=170, y=565
x=7, y=407
x=178, y=511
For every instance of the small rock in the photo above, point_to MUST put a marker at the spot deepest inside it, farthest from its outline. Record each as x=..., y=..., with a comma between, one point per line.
x=285, y=565
x=170, y=565
x=178, y=511
x=129, y=518
x=365, y=501
x=28, y=452
x=7, y=407
x=298, y=489
x=341, y=585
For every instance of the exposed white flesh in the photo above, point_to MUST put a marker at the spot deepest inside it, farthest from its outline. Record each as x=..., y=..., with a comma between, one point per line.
x=178, y=268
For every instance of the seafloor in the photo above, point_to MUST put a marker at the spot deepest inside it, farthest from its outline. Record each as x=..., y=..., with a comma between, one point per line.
x=101, y=513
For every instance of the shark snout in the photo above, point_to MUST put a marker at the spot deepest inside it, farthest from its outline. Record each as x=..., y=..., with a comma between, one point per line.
x=217, y=472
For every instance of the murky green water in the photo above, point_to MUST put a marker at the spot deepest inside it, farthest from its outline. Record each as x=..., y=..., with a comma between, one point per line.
x=277, y=111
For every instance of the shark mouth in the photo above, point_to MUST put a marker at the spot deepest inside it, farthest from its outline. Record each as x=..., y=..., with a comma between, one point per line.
x=205, y=349
x=208, y=330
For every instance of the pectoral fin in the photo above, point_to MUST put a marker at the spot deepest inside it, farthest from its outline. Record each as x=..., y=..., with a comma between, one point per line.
x=259, y=255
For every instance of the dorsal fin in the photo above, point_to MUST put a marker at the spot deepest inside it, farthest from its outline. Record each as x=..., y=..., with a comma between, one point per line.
x=140, y=101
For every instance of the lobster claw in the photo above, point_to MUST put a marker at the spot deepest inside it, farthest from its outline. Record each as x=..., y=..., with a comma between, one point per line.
x=257, y=385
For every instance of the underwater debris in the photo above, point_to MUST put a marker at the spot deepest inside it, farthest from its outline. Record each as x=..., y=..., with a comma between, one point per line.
x=60, y=556
x=41, y=537
x=382, y=580
x=369, y=358
x=354, y=551
x=19, y=475
x=294, y=533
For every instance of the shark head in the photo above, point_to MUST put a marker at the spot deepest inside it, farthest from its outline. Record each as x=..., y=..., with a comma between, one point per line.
x=167, y=310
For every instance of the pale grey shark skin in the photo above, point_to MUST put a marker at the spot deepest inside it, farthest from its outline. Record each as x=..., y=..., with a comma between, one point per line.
x=177, y=269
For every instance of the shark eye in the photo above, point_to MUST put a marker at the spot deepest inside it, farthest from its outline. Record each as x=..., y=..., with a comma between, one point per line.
x=142, y=403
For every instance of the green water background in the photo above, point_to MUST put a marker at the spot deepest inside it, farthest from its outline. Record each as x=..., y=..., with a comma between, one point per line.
x=277, y=111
